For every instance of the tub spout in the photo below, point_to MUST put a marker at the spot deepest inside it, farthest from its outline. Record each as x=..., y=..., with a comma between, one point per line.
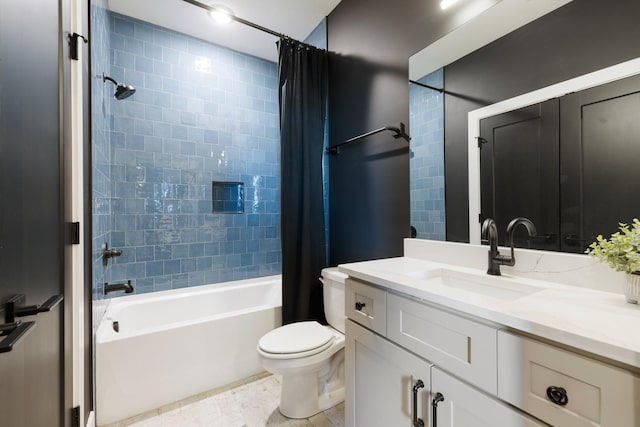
x=114, y=287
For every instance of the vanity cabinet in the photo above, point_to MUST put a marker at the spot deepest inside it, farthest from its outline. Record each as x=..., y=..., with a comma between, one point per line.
x=564, y=388
x=460, y=405
x=447, y=340
x=385, y=383
x=474, y=373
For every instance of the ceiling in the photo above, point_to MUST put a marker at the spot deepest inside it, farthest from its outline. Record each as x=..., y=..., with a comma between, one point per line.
x=294, y=18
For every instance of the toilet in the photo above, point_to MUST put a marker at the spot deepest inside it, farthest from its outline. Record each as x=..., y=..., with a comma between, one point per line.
x=310, y=356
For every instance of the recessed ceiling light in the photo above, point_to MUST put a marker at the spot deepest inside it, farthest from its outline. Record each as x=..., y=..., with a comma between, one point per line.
x=446, y=3
x=221, y=14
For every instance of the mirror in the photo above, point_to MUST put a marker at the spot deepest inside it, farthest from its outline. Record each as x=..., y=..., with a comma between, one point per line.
x=594, y=176
x=427, y=108
x=486, y=22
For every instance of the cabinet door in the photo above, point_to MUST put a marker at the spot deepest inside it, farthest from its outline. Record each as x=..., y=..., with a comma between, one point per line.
x=380, y=378
x=464, y=406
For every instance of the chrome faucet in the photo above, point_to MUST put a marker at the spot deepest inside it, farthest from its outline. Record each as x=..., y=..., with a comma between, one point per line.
x=490, y=233
x=126, y=287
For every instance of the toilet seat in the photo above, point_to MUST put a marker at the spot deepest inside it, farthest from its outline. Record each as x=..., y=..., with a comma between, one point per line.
x=296, y=340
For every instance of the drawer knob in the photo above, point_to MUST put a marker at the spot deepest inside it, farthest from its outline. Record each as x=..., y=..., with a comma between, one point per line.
x=557, y=395
x=360, y=305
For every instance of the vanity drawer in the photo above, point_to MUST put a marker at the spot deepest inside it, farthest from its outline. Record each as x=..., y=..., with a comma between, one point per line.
x=366, y=305
x=597, y=394
x=454, y=343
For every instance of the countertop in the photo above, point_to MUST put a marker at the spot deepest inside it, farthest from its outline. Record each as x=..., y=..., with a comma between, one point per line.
x=598, y=322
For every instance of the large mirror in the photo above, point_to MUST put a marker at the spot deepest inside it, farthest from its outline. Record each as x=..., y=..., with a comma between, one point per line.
x=478, y=26
x=564, y=156
x=585, y=201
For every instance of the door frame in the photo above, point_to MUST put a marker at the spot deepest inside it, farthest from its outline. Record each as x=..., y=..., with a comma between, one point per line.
x=75, y=132
x=586, y=81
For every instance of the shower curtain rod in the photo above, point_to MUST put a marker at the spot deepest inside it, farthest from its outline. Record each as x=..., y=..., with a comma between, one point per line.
x=249, y=23
x=399, y=132
x=427, y=86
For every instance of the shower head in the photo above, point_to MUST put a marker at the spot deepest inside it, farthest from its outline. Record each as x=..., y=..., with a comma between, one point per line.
x=122, y=91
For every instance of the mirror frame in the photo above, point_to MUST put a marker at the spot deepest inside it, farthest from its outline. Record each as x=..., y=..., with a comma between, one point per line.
x=596, y=78
x=489, y=24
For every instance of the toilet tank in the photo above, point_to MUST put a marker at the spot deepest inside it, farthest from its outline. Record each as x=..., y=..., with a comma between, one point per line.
x=333, y=290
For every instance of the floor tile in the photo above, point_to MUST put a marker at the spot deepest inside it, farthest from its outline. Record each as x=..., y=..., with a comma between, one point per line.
x=248, y=404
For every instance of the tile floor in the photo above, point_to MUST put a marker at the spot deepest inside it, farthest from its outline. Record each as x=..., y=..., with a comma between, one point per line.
x=249, y=403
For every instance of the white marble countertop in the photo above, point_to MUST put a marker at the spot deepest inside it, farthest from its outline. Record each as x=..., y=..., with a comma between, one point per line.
x=598, y=322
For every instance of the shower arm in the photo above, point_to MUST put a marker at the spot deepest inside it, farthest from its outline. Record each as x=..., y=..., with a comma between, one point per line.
x=105, y=78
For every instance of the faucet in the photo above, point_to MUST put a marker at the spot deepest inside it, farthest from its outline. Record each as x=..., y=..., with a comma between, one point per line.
x=126, y=287
x=490, y=233
x=109, y=253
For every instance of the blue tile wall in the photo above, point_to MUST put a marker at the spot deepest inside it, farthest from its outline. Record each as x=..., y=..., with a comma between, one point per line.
x=427, y=158
x=201, y=113
x=318, y=37
x=101, y=148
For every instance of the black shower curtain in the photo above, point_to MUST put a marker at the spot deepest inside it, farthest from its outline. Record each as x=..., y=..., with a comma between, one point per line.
x=302, y=72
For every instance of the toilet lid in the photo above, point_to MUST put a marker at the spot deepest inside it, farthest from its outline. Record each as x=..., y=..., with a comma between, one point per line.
x=300, y=337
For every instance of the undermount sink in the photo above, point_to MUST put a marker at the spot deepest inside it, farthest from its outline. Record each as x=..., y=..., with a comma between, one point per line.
x=491, y=286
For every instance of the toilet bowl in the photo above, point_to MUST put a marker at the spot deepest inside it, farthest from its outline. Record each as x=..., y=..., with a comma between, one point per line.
x=310, y=356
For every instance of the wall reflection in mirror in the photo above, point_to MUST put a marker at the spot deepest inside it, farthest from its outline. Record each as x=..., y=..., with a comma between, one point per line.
x=427, y=157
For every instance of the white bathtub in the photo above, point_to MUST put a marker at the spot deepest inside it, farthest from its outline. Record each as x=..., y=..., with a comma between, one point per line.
x=178, y=343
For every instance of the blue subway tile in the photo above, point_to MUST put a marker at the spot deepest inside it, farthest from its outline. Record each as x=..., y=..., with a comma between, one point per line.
x=193, y=128
x=171, y=266
x=204, y=263
x=122, y=26
x=154, y=268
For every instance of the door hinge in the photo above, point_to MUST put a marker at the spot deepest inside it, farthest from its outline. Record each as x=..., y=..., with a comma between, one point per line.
x=481, y=141
x=73, y=45
x=75, y=416
x=75, y=233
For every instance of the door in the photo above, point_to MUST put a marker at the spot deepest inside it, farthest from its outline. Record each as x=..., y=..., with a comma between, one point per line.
x=31, y=212
x=456, y=404
x=519, y=159
x=600, y=175
x=383, y=382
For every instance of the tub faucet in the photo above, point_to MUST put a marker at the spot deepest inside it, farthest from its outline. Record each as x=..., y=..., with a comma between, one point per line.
x=114, y=287
x=490, y=233
x=108, y=253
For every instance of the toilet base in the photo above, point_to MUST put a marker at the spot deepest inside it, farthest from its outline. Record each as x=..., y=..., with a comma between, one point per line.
x=299, y=400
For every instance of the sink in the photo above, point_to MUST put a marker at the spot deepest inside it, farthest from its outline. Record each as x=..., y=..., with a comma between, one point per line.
x=507, y=289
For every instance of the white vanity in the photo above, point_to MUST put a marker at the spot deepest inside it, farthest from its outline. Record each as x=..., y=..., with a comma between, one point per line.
x=432, y=340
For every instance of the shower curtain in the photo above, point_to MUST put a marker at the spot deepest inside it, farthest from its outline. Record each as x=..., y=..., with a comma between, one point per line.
x=302, y=72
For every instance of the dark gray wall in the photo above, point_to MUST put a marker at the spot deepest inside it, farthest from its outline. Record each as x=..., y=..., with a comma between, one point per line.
x=372, y=41
x=581, y=37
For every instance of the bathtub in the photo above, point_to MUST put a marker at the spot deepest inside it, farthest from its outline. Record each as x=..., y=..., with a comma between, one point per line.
x=159, y=348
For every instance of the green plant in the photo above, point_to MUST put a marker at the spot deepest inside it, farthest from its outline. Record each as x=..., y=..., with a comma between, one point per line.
x=622, y=251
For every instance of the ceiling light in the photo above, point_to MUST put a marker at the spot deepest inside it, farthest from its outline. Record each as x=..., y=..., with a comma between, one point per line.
x=221, y=14
x=446, y=3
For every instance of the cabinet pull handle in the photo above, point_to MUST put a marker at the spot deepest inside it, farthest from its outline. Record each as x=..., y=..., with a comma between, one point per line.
x=434, y=408
x=417, y=422
x=557, y=395
x=360, y=305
